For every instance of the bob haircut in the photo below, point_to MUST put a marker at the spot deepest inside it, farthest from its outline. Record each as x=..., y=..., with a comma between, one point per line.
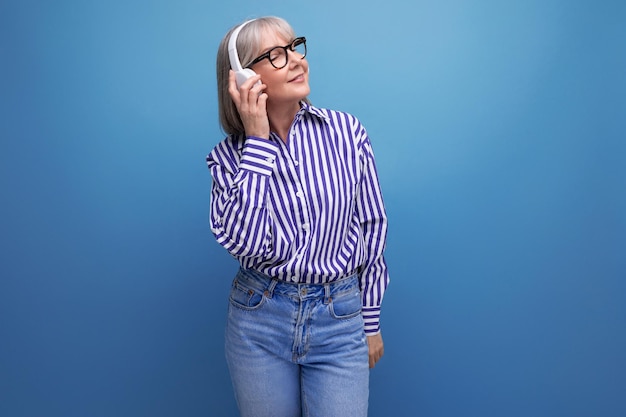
x=248, y=47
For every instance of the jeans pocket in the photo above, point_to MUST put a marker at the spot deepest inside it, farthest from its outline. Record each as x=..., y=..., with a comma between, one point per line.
x=245, y=297
x=346, y=306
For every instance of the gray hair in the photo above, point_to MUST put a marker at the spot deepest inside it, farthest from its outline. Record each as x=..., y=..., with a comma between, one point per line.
x=248, y=48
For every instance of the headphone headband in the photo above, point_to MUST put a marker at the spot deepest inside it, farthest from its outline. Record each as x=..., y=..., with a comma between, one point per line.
x=233, y=55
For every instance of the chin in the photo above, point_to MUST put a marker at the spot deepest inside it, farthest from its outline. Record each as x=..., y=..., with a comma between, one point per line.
x=292, y=94
x=301, y=93
x=306, y=90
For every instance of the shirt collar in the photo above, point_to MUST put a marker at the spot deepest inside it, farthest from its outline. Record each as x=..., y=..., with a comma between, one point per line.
x=304, y=108
x=309, y=108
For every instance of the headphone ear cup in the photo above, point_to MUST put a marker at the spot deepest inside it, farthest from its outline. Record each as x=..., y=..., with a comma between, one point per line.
x=243, y=75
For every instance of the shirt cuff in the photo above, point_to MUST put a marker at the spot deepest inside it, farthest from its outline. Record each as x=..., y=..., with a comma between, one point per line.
x=258, y=155
x=371, y=318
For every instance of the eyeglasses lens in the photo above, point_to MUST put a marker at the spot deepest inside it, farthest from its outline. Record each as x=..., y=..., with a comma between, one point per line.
x=278, y=56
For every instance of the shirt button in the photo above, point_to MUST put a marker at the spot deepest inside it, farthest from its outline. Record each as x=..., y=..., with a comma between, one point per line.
x=294, y=279
x=299, y=194
x=296, y=163
x=269, y=159
x=305, y=226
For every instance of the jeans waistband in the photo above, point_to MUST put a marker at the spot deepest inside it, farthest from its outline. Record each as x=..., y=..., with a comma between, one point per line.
x=269, y=285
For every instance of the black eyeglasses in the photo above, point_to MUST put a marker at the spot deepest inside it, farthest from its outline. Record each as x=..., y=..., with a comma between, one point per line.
x=278, y=55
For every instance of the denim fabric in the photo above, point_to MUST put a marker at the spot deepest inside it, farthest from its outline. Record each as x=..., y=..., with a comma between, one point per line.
x=297, y=349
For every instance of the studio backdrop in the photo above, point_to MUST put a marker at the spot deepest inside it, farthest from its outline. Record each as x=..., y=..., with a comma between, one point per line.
x=499, y=129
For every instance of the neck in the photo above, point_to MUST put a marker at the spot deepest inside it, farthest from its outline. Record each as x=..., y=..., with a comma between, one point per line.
x=281, y=119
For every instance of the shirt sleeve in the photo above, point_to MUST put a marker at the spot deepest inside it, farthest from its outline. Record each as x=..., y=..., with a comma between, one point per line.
x=374, y=275
x=238, y=211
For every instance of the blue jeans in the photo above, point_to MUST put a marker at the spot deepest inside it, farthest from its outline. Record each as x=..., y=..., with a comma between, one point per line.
x=297, y=349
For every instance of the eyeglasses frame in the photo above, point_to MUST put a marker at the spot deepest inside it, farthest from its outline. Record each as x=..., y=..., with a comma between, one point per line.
x=291, y=46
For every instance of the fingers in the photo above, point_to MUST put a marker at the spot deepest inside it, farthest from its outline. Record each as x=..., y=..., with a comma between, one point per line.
x=249, y=91
x=251, y=102
x=374, y=357
x=376, y=349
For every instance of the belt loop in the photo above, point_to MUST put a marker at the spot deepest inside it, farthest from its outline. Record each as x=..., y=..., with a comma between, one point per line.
x=270, y=289
x=327, y=297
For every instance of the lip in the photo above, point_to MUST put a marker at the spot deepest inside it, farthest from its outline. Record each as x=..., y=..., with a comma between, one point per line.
x=298, y=78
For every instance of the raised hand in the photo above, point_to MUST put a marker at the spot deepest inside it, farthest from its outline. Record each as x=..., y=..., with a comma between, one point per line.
x=251, y=103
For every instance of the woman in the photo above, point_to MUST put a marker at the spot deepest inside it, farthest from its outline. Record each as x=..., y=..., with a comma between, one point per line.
x=296, y=199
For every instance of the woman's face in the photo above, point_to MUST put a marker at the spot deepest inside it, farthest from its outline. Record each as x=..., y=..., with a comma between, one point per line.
x=288, y=84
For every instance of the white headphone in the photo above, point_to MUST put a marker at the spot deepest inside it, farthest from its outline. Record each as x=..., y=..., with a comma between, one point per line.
x=241, y=74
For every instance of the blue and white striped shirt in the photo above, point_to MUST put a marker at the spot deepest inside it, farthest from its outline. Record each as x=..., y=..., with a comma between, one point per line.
x=306, y=211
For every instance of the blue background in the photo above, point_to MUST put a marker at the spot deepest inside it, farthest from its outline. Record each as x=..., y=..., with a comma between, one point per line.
x=499, y=129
